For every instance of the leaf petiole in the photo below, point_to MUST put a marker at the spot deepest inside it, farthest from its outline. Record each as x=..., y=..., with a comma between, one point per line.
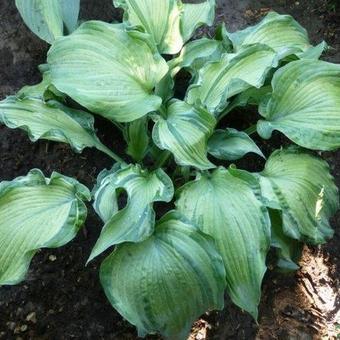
x=251, y=130
x=110, y=153
x=163, y=157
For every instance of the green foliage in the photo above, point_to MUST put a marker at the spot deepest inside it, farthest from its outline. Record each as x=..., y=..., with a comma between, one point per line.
x=170, y=23
x=37, y=212
x=299, y=184
x=305, y=105
x=108, y=68
x=231, y=75
x=184, y=130
x=49, y=19
x=167, y=281
x=280, y=32
x=230, y=144
x=162, y=274
x=51, y=120
x=135, y=222
x=226, y=205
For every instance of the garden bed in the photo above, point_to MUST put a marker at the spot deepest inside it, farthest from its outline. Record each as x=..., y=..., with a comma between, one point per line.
x=62, y=299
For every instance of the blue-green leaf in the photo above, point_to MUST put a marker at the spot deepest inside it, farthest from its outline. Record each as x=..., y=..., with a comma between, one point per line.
x=288, y=250
x=37, y=212
x=226, y=205
x=43, y=90
x=195, y=54
x=108, y=69
x=230, y=144
x=70, y=11
x=166, y=282
x=280, y=32
x=252, y=96
x=234, y=73
x=52, y=121
x=305, y=105
x=301, y=186
x=46, y=18
x=196, y=15
x=136, y=221
x=184, y=131
x=105, y=194
x=170, y=23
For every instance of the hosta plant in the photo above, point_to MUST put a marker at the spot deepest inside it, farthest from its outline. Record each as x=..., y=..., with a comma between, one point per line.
x=161, y=274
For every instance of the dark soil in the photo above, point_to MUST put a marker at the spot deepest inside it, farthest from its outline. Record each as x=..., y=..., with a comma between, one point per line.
x=62, y=299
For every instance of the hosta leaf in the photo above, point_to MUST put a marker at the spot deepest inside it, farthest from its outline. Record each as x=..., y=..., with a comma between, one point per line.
x=233, y=74
x=161, y=19
x=280, y=32
x=165, y=88
x=137, y=138
x=196, y=15
x=46, y=18
x=314, y=52
x=288, y=250
x=252, y=96
x=43, y=17
x=135, y=222
x=223, y=204
x=109, y=70
x=170, y=23
x=231, y=145
x=166, y=282
x=70, y=10
x=185, y=131
x=221, y=34
x=37, y=212
x=37, y=90
x=195, y=54
x=43, y=90
x=300, y=185
x=52, y=121
x=305, y=105
x=105, y=194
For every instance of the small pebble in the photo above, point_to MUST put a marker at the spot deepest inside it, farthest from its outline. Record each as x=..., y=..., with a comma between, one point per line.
x=52, y=258
x=23, y=328
x=32, y=317
x=19, y=311
x=10, y=325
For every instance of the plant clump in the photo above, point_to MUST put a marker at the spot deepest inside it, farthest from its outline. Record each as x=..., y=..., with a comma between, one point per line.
x=162, y=274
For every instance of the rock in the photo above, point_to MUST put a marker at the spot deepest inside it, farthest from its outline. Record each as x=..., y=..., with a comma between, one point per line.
x=23, y=328
x=10, y=325
x=52, y=258
x=19, y=311
x=31, y=317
